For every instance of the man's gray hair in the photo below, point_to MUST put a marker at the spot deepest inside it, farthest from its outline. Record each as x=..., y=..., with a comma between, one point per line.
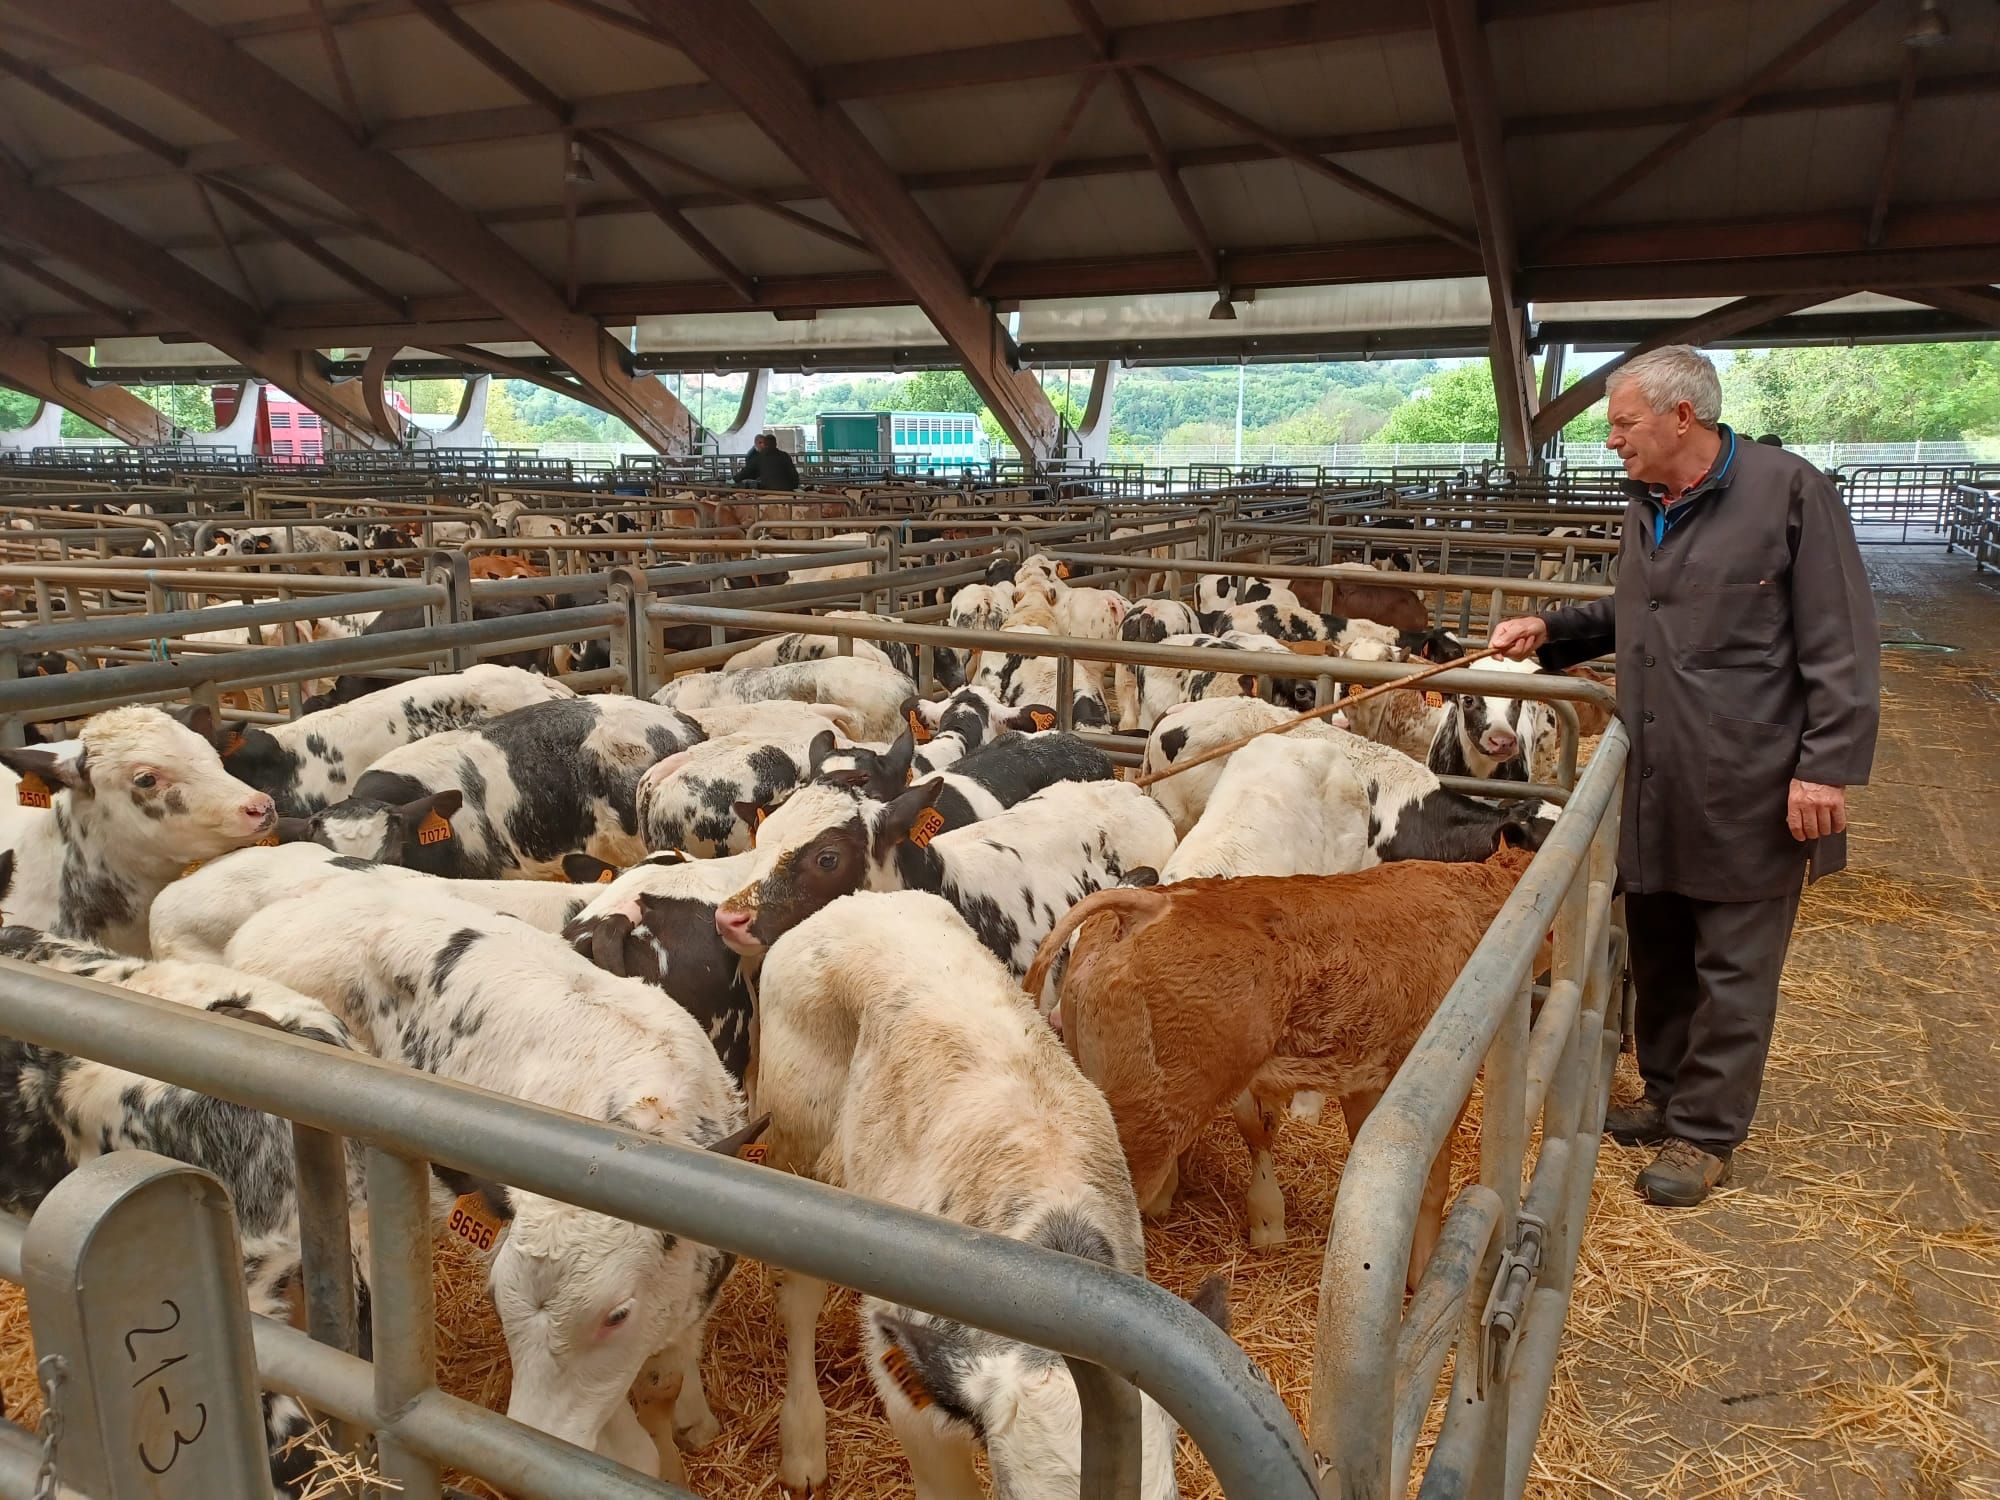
x=1676, y=373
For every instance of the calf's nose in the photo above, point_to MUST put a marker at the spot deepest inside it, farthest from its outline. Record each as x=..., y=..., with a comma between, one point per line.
x=733, y=926
x=261, y=810
x=1500, y=743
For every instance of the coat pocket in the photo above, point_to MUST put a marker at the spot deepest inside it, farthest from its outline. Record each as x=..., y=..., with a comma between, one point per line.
x=1738, y=624
x=1748, y=770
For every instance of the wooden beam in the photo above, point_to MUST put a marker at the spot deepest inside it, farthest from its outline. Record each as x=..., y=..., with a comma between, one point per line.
x=55, y=377
x=1718, y=323
x=729, y=192
x=1297, y=153
x=119, y=319
x=1468, y=72
x=243, y=280
x=111, y=253
x=1885, y=176
x=1721, y=108
x=1977, y=304
x=515, y=369
x=337, y=65
x=1170, y=177
x=164, y=47
x=1890, y=270
x=735, y=46
x=1036, y=174
x=662, y=208
x=309, y=247
x=490, y=56
x=51, y=87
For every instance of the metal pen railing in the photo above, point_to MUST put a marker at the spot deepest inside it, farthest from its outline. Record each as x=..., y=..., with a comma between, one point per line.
x=1118, y=1323
x=1497, y=1288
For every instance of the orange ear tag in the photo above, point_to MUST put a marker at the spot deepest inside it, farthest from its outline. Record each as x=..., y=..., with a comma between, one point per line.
x=187, y=870
x=472, y=1221
x=234, y=743
x=1041, y=718
x=1433, y=700
x=919, y=730
x=762, y=814
x=607, y=877
x=435, y=828
x=929, y=824
x=1354, y=690
x=268, y=841
x=896, y=1365
x=1062, y=570
x=754, y=1153
x=33, y=792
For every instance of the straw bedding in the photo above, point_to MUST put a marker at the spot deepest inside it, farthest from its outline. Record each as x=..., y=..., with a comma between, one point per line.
x=1870, y=1309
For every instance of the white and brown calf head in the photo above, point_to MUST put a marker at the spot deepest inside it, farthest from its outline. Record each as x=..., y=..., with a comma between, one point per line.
x=155, y=790
x=1498, y=728
x=825, y=843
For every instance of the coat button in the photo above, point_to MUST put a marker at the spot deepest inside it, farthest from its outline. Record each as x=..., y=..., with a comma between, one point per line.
x=1647, y=774
x=1652, y=604
x=1649, y=716
x=1649, y=661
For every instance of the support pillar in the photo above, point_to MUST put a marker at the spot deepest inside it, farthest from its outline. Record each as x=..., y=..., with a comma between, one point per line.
x=239, y=433
x=468, y=428
x=737, y=437
x=1092, y=440
x=44, y=432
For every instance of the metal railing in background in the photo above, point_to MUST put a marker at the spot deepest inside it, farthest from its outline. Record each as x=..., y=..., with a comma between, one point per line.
x=1972, y=523
x=1122, y=1325
x=1496, y=1289
x=1904, y=502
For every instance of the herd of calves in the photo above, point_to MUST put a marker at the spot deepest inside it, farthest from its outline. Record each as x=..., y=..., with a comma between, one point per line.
x=586, y=901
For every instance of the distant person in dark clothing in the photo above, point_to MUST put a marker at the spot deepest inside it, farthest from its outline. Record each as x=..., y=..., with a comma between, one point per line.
x=767, y=466
x=1771, y=440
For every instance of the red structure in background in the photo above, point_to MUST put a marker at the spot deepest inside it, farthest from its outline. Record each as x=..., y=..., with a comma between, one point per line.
x=286, y=429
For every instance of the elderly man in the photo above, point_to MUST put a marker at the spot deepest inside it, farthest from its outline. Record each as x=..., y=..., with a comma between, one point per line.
x=1749, y=681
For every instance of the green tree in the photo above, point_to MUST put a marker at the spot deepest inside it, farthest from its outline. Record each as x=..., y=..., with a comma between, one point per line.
x=1881, y=393
x=17, y=409
x=568, y=428
x=1457, y=407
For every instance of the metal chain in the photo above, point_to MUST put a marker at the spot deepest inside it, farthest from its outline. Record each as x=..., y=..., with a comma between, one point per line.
x=51, y=1370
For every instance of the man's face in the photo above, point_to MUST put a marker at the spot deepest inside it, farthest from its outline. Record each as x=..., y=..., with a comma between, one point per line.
x=763, y=443
x=1646, y=439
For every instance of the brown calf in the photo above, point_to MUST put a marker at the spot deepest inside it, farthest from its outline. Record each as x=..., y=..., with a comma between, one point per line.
x=1386, y=605
x=1183, y=998
x=503, y=565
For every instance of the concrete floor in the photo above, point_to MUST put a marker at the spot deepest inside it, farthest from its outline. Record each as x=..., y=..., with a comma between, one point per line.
x=1829, y=1324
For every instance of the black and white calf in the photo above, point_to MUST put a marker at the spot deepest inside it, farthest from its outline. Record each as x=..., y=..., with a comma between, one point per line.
x=253, y=542
x=708, y=798
x=872, y=692
x=1157, y=689
x=1490, y=735
x=311, y=762
x=589, y=1304
x=947, y=667
x=656, y=922
x=979, y=785
x=196, y=916
x=58, y=1111
x=1219, y=591
x=510, y=797
x=1011, y=876
x=98, y=833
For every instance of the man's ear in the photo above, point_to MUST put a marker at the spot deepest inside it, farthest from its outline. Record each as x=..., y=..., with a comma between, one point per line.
x=900, y=817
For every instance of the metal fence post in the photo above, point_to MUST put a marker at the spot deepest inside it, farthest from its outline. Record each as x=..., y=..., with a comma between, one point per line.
x=1113, y=1460
x=148, y=1352
x=399, y=1253
x=631, y=651
x=452, y=572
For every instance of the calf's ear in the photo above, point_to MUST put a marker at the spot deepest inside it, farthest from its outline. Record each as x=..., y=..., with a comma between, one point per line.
x=918, y=1360
x=428, y=819
x=46, y=766
x=736, y=1141
x=1211, y=1300
x=493, y=1194
x=587, y=869
x=820, y=748
x=294, y=830
x=901, y=815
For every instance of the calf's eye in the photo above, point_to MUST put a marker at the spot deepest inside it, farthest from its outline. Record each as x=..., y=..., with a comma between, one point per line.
x=828, y=859
x=145, y=779
x=617, y=1316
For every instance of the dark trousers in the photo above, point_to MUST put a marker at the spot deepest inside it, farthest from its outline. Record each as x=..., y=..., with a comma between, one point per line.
x=1706, y=973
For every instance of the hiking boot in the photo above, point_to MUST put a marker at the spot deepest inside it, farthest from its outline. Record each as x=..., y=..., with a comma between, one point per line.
x=1682, y=1174
x=1642, y=1123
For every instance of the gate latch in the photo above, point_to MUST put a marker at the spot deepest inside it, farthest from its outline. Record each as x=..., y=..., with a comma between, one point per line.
x=1507, y=1303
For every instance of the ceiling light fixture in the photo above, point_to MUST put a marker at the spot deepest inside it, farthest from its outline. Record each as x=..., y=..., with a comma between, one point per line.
x=1224, y=310
x=576, y=171
x=1928, y=28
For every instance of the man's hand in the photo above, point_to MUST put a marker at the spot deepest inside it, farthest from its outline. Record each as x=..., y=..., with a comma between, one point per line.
x=1813, y=810
x=1520, y=638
